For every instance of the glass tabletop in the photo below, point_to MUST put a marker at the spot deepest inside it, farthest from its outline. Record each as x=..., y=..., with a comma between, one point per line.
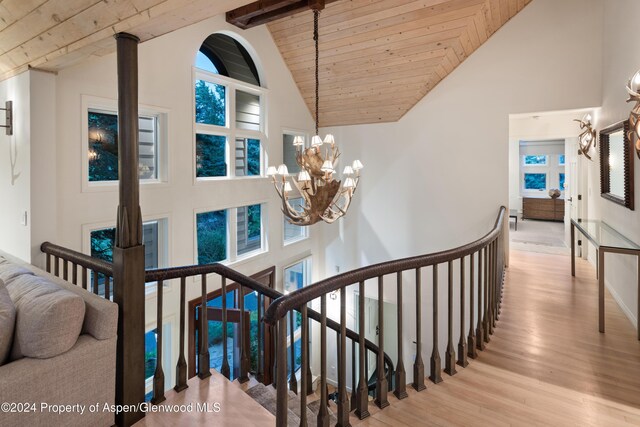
x=601, y=234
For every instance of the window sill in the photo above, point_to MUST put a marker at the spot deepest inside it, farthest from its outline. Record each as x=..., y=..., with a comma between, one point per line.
x=105, y=186
x=290, y=242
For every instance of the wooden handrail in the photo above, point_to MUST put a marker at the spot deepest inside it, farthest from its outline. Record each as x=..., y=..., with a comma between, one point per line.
x=284, y=304
x=96, y=264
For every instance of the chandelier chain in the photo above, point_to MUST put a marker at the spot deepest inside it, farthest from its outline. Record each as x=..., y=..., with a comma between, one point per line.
x=316, y=14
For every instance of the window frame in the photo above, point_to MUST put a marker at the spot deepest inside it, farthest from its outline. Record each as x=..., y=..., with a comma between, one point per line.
x=110, y=106
x=164, y=243
x=535, y=165
x=535, y=191
x=230, y=131
x=307, y=142
x=232, y=232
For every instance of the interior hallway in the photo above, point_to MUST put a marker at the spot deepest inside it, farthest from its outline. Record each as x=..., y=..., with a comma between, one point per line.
x=546, y=364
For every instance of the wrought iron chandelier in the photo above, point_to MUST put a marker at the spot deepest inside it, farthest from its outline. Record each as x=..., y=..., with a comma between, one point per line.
x=325, y=198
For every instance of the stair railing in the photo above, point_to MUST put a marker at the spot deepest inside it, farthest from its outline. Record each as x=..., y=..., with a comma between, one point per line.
x=102, y=273
x=485, y=290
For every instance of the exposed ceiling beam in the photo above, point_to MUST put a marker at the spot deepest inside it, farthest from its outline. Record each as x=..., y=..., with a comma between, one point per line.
x=265, y=11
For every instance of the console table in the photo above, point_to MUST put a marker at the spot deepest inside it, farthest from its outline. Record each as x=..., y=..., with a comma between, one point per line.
x=605, y=239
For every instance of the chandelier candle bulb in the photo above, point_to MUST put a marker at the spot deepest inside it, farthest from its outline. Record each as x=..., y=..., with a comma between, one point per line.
x=283, y=170
x=303, y=176
x=316, y=141
x=271, y=171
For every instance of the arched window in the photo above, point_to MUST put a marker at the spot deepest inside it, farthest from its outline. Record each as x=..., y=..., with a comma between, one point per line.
x=229, y=118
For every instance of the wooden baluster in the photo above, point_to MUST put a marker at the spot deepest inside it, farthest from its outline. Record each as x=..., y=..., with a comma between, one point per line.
x=471, y=340
x=204, y=369
x=485, y=310
x=181, y=366
x=293, y=381
x=304, y=366
x=309, y=376
x=65, y=269
x=260, y=373
x=224, y=369
x=418, y=364
x=84, y=277
x=450, y=354
x=480, y=329
x=48, y=263
x=323, y=414
x=107, y=287
x=400, y=390
x=462, y=343
x=274, y=374
x=381, y=380
x=494, y=310
x=56, y=266
x=343, y=401
x=435, y=375
x=158, y=376
x=362, y=409
x=280, y=379
x=353, y=375
x=244, y=357
x=96, y=283
x=490, y=282
x=74, y=273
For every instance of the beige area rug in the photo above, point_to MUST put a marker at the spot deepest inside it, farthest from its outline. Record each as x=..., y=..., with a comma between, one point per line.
x=538, y=236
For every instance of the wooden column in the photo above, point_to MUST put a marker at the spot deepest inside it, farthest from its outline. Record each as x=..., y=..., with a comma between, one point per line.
x=128, y=253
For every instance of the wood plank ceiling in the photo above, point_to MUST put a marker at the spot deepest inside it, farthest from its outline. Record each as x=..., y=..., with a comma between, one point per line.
x=53, y=34
x=379, y=58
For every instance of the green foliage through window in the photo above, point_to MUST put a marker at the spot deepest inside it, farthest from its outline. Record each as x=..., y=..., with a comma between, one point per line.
x=211, y=155
x=210, y=103
x=535, y=181
x=212, y=236
x=561, y=180
x=103, y=146
x=535, y=160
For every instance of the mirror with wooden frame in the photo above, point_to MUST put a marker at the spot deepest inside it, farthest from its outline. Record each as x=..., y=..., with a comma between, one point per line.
x=616, y=164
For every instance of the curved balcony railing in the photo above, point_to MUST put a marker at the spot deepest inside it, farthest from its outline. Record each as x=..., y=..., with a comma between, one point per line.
x=485, y=293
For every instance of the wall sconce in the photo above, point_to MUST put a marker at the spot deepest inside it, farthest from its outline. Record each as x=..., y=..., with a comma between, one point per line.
x=586, y=139
x=633, y=87
x=8, y=117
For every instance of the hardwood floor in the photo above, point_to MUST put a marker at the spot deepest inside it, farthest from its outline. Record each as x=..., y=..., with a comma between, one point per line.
x=546, y=364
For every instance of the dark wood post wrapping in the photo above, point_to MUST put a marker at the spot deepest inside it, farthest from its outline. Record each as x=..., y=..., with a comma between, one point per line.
x=128, y=253
x=450, y=354
x=343, y=401
x=418, y=364
x=181, y=366
x=471, y=340
x=462, y=343
x=304, y=365
x=323, y=413
x=362, y=409
x=435, y=375
x=400, y=389
x=381, y=380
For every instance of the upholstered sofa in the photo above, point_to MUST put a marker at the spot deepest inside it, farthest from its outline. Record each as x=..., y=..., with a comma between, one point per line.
x=57, y=347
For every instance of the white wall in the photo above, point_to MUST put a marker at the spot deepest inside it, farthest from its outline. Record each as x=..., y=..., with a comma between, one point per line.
x=436, y=178
x=15, y=169
x=621, y=59
x=166, y=82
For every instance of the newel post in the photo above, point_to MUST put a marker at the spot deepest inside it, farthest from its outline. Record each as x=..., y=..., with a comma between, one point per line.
x=128, y=253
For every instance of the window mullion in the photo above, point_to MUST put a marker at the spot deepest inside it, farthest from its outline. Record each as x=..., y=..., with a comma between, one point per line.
x=233, y=233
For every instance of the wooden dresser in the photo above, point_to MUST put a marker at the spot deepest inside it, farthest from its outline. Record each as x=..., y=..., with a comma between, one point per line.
x=548, y=209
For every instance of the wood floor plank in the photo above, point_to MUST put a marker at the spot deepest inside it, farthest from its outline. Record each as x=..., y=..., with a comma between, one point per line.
x=546, y=364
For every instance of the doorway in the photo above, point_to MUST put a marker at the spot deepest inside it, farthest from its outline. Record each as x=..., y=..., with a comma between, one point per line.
x=545, y=180
x=258, y=337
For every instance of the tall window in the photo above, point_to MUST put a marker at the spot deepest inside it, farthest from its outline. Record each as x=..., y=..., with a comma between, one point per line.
x=535, y=181
x=535, y=160
x=102, y=150
x=249, y=229
x=229, y=109
x=293, y=233
x=212, y=236
x=297, y=276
